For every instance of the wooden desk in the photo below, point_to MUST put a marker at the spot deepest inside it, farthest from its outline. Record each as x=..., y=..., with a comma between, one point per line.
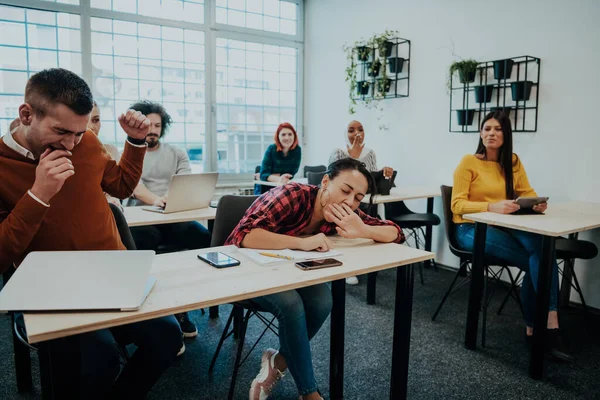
x=402, y=194
x=136, y=216
x=559, y=219
x=185, y=283
x=274, y=184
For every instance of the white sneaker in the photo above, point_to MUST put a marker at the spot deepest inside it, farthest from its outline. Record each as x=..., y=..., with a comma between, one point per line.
x=352, y=280
x=269, y=376
x=181, y=350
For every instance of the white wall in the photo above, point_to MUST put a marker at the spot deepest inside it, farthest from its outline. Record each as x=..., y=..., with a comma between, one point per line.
x=561, y=158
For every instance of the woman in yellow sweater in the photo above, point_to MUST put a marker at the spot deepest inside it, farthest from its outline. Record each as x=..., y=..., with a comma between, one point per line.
x=490, y=180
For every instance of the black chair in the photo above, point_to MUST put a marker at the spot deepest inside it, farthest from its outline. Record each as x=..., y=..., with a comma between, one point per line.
x=230, y=211
x=315, y=178
x=567, y=250
x=414, y=223
x=466, y=258
x=314, y=168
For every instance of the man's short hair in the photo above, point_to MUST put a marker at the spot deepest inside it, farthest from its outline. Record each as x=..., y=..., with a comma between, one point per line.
x=147, y=107
x=58, y=86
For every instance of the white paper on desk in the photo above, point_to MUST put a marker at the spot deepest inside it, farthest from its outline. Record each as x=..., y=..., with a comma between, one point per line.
x=296, y=255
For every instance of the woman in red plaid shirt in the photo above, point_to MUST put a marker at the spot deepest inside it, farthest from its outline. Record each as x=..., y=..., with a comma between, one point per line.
x=275, y=221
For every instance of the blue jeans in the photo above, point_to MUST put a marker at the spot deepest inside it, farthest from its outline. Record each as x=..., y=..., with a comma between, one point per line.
x=158, y=341
x=182, y=235
x=300, y=314
x=519, y=249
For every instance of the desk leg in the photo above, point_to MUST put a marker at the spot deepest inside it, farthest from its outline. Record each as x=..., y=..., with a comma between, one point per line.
x=371, y=287
x=213, y=312
x=567, y=278
x=60, y=369
x=476, y=286
x=402, y=326
x=338, y=321
x=429, y=231
x=540, y=324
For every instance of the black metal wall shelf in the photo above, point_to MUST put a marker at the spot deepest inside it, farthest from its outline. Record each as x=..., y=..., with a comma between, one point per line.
x=397, y=68
x=471, y=101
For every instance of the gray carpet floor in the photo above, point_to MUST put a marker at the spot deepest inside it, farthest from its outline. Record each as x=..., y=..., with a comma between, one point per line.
x=440, y=366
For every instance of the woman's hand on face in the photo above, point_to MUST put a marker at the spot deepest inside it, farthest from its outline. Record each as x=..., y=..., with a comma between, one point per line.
x=356, y=147
x=542, y=207
x=349, y=224
x=318, y=242
x=504, y=207
x=388, y=172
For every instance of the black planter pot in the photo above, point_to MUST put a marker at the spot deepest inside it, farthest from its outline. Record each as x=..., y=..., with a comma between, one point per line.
x=386, y=86
x=388, y=46
x=362, y=87
x=465, y=117
x=521, y=90
x=503, y=69
x=505, y=110
x=483, y=94
x=363, y=53
x=376, y=67
x=396, y=64
x=466, y=77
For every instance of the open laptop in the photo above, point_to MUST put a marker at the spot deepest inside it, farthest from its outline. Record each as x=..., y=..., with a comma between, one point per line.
x=189, y=192
x=80, y=280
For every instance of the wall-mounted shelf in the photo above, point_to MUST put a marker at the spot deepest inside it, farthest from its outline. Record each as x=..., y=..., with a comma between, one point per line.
x=511, y=84
x=398, y=70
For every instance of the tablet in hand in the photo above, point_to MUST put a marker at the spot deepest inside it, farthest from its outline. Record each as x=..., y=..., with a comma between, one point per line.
x=529, y=202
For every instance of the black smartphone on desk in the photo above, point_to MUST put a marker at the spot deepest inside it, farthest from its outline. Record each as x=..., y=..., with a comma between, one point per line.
x=218, y=259
x=318, y=264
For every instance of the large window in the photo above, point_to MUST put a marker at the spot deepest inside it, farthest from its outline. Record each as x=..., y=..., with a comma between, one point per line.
x=227, y=71
x=30, y=41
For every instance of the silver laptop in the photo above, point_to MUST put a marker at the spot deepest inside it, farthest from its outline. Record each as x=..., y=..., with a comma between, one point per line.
x=189, y=192
x=80, y=280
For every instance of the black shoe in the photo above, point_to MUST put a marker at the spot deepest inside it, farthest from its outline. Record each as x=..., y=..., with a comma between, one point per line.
x=187, y=327
x=557, y=347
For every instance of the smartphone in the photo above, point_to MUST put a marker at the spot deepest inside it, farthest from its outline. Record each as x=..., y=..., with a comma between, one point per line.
x=529, y=202
x=318, y=264
x=218, y=259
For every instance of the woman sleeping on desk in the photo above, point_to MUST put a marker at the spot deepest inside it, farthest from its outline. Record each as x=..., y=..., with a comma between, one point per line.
x=490, y=180
x=275, y=221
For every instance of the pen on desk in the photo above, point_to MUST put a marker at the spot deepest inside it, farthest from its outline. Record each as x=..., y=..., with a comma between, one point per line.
x=275, y=255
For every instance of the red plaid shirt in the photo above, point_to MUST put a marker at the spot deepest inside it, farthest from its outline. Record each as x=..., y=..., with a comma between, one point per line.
x=287, y=210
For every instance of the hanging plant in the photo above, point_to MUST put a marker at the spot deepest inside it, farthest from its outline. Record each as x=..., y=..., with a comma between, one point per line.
x=466, y=71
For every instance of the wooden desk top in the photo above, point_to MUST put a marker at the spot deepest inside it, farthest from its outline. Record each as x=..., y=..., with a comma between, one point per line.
x=406, y=193
x=560, y=219
x=274, y=184
x=185, y=283
x=136, y=216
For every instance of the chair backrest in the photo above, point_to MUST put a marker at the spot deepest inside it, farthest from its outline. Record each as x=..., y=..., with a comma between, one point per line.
x=449, y=224
x=314, y=168
x=230, y=211
x=315, y=178
x=396, y=208
x=123, y=227
x=257, y=169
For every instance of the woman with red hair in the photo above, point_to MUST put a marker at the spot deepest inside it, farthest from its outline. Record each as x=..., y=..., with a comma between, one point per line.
x=282, y=159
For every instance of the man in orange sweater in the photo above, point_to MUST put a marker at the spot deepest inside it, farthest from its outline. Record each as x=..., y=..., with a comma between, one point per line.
x=54, y=174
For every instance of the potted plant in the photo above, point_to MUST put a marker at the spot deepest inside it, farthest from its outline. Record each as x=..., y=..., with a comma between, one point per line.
x=373, y=68
x=465, y=117
x=396, y=64
x=362, y=87
x=466, y=71
x=521, y=90
x=384, y=86
x=363, y=53
x=483, y=94
x=503, y=68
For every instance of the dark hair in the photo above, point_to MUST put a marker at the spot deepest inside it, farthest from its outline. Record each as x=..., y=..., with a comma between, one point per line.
x=351, y=164
x=505, y=155
x=148, y=107
x=58, y=85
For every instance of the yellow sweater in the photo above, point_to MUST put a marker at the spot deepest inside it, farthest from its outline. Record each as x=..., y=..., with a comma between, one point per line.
x=478, y=183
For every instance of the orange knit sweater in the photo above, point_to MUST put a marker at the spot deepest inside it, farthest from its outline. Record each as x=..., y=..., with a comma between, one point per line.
x=79, y=217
